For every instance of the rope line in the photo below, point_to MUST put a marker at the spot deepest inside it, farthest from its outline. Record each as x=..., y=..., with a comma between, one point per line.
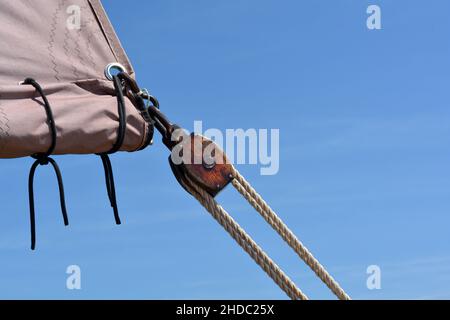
x=244, y=240
x=258, y=203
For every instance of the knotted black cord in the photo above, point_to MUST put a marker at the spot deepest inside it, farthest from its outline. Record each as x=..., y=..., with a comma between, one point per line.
x=44, y=159
x=109, y=177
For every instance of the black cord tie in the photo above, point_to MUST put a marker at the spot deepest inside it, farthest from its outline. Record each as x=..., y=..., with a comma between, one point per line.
x=110, y=187
x=109, y=177
x=44, y=159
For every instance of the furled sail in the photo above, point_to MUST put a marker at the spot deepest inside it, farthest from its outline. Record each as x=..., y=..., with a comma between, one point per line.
x=58, y=94
x=64, y=45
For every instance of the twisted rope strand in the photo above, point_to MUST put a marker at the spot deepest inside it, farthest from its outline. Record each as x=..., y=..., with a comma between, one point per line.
x=257, y=202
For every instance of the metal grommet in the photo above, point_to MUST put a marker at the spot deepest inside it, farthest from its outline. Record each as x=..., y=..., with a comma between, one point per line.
x=110, y=67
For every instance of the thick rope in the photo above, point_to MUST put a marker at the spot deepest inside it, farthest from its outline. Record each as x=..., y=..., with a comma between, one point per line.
x=244, y=240
x=44, y=159
x=257, y=202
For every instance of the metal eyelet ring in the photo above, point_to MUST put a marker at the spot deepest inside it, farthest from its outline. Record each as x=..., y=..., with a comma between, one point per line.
x=110, y=67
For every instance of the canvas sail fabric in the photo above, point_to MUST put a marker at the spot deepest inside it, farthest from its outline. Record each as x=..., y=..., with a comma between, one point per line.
x=38, y=40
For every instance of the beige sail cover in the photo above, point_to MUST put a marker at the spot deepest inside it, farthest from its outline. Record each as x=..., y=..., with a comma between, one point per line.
x=42, y=39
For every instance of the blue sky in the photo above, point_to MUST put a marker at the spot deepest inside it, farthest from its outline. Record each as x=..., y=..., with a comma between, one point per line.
x=364, y=177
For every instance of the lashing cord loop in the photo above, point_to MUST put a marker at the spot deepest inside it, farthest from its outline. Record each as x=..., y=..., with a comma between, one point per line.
x=204, y=182
x=44, y=159
x=107, y=166
x=122, y=82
